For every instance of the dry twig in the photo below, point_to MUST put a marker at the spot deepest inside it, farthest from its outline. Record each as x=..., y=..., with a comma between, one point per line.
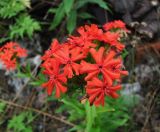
x=38, y=111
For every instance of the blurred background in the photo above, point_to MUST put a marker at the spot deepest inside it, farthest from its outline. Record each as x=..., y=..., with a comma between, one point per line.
x=25, y=107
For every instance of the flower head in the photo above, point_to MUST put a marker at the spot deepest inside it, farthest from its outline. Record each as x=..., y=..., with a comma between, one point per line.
x=9, y=53
x=69, y=58
x=55, y=46
x=103, y=65
x=112, y=39
x=117, y=24
x=94, y=52
x=56, y=78
x=98, y=89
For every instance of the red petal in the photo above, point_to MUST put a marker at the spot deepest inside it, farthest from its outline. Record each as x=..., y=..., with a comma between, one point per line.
x=95, y=83
x=112, y=62
x=50, y=86
x=76, y=54
x=76, y=68
x=107, y=78
x=93, y=97
x=119, y=46
x=91, y=75
x=62, y=88
x=55, y=45
x=87, y=67
x=114, y=95
x=57, y=92
x=68, y=71
x=62, y=78
x=124, y=72
x=112, y=74
x=99, y=100
x=93, y=90
x=97, y=55
x=117, y=87
x=63, y=53
x=110, y=56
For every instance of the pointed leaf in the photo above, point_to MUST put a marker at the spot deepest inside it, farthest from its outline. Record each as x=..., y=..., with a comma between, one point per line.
x=60, y=13
x=71, y=23
x=68, y=5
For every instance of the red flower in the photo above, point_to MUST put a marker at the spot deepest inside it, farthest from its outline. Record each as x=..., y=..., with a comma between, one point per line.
x=55, y=46
x=10, y=52
x=83, y=42
x=117, y=24
x=68, y=58
x=97, y=89
x=103, y=72
x=112, y=39
x=56, y=79
x=104, y=64
x=7, y=60
x=94, y=31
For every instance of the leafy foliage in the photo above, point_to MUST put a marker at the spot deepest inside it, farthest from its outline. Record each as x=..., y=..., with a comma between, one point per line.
x=2, y=107
x=98, y=119
x=21, y=24
x=10, y=8
x=71, y=23
x=15, y=16
x=59, y=14
x=24, y=25
x=19, y=122
x=39, y=80
x=101, y=3
x=69, y=9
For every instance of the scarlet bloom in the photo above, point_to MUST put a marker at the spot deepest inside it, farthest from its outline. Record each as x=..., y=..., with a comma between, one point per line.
x=65, y=60
x=105, y=63
x=56, y=78
x=117, y=24
x=55, y=46
x=69, y=58
x=94, y=31
x=82, y=42
x=9, y=53
x=112, y=39
x=97, y=90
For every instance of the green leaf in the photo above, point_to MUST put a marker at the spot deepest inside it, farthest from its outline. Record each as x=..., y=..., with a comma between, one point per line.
x=60, y=13
x=71, y=23
x=25, y=73
x=72, y=105
x=22, y=75
x=90, y=116
x=25, y=25
x=85, y=15
x=103, y=109
x=101, y=3
x=19, y=122
x=124, y=53
x=68, y=5
x=2, y=107
x=36, y=83
x=81, y=3
x=2, y=40
x=52, y=10
x=26, y=3
x=39, y=80
x=10, y=8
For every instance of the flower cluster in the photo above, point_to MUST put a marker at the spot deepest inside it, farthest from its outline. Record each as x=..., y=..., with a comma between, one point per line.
x=9, y=53
x=118, y=24
x=95, y=52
